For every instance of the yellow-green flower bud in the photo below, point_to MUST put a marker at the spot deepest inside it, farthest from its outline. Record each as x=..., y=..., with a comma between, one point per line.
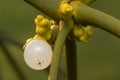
x=83, y=39
x=65, y=10
x=42, y=24
x=82, y=33
x=88, y=30
x=78, y=31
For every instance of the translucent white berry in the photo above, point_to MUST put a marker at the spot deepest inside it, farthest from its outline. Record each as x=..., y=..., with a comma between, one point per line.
x=38, y=54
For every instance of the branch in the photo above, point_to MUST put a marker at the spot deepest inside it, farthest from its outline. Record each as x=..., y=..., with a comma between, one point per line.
x=48, y=7
x=82, y=14
x=88, y=15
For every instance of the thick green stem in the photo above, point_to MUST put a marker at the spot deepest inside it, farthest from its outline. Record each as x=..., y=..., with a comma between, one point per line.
x=59, y=43
x=83, y=13
x=88, y=15
x=71, y=57
x=48, y=7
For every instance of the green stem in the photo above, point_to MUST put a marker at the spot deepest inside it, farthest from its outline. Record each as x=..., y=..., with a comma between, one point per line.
x=88, y=15
x=11, y=60
x=59, y=43
x=83, y=14
x=48, y=7
x=71, y=58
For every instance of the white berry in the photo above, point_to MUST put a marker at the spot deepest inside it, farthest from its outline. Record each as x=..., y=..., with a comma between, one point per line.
x=38, y=54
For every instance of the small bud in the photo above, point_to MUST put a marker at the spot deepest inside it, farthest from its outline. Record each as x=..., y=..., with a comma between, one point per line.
x=83, y=39
x=88, y=30
x=43, y=27
x=65, y=10
x=42, y=24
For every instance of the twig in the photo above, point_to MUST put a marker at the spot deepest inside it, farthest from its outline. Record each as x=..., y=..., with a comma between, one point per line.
x=82, y=14
x=87, y=15
x=62, y=34
x=46, y=8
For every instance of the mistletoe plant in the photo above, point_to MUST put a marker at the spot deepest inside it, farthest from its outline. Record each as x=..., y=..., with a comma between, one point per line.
x=71, y=20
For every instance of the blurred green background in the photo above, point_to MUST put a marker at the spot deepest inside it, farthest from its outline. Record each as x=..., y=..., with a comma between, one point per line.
x=99, y=59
